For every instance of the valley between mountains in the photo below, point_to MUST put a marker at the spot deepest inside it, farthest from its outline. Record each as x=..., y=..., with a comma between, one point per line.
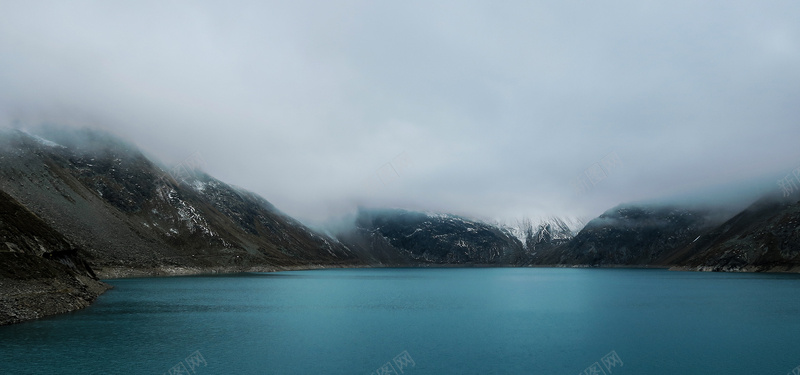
x=80, y=206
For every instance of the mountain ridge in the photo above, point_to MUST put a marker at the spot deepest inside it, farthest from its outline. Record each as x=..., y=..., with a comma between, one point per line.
x=96, y=205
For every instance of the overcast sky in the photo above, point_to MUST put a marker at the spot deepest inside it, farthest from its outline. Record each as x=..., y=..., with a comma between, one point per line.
x=490, y=109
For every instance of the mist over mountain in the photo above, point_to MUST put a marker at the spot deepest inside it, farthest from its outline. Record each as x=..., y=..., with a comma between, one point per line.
x=763, y=237
x=494, y=112
x=80, y=203
x=431, y=239
x=641, y=235
x=407, y=187
x=127, y=213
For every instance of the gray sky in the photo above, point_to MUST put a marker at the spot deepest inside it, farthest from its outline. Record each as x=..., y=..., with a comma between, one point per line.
x=489, y=109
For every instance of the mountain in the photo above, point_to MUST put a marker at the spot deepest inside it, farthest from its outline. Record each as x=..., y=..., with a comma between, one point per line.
x=127, y=216
x=763, y=237
x=546, y=234
x=41, y=272
x=631, y=235
x=400, y=237
x=78, y=204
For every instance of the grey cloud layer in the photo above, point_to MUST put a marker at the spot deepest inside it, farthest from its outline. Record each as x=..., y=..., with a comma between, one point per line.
x=498, y=108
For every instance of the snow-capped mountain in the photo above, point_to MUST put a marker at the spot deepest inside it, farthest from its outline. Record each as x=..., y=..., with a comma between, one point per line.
x=536, y=234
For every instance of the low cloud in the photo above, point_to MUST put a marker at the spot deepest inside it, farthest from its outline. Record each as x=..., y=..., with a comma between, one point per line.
x=497, y=108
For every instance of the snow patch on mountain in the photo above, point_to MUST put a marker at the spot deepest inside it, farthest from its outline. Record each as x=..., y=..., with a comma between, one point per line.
x=530, y=231
x=42, y=141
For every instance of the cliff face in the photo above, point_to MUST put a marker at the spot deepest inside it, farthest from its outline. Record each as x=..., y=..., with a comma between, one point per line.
x=129, y=216
x=41, y=273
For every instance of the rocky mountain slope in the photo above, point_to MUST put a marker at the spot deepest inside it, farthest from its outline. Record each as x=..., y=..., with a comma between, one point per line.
x=544, y=234
x=128, y=216
x=631, y=235
x=76, y=204
x=763, y=237
x=393, y=237
x=41, y=273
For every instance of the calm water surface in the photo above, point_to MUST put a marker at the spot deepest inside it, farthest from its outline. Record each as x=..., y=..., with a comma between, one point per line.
x=433, y=321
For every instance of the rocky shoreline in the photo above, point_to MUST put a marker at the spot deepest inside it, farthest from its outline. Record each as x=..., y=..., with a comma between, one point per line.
x=33, y=287
x=33, y=299
x=111, y=273
x=59, y=291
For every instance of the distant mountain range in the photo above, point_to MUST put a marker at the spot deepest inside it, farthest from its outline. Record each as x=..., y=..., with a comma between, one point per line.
x=400, y=237
x=763, y=237
x=78, y=204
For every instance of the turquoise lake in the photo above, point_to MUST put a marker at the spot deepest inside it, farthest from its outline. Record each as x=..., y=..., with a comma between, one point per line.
x=424, y=321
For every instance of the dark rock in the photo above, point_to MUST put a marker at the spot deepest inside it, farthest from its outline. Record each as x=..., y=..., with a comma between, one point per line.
x=414, y=238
